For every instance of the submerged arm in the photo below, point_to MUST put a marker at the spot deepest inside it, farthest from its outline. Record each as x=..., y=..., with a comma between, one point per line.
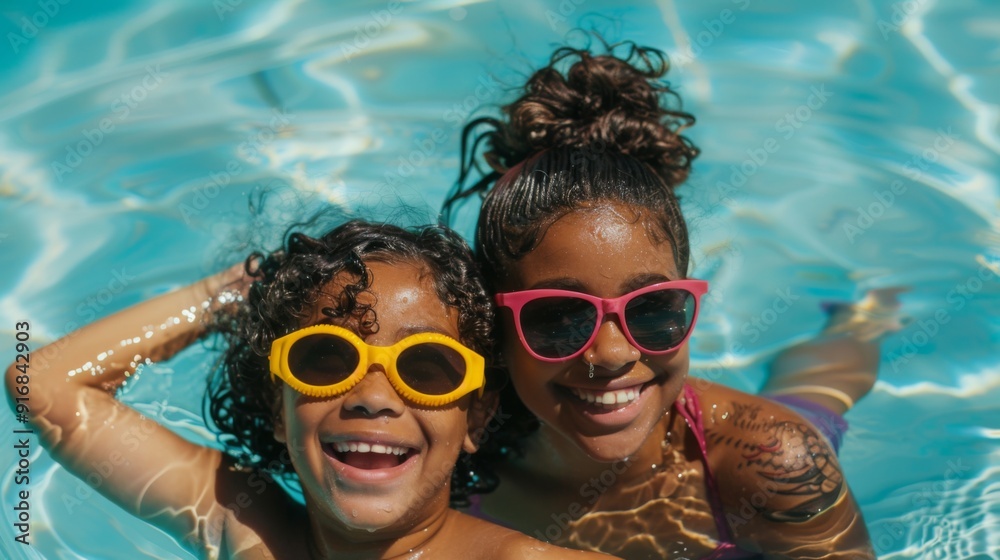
x=138, y=464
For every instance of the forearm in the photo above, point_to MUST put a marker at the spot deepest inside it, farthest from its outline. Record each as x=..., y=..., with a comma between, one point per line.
x=104, y=353
x=140, y=465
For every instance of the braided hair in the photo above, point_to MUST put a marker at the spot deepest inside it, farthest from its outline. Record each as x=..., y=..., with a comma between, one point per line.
x=587, y=130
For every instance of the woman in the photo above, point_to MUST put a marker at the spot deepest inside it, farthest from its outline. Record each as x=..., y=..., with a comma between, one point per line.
x=609, y=445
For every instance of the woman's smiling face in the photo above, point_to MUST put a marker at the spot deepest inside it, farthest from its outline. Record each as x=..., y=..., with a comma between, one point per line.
x=604, y=250
x=346, y=449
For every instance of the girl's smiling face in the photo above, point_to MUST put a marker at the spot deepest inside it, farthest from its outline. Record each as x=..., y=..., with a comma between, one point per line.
x=605, y=250
x=369, y=459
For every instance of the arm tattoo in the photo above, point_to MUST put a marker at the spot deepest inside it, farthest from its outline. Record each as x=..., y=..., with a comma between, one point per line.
x=788, y=459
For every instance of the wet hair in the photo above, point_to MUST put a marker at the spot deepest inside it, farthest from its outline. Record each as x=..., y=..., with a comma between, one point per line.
x=243, y=401
x=588, y=130
x=602, y=131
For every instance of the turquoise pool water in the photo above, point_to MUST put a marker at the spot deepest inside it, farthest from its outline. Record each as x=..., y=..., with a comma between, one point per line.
x=847, y=146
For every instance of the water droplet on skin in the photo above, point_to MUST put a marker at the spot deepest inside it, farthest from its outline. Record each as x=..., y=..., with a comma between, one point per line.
x=354, y=513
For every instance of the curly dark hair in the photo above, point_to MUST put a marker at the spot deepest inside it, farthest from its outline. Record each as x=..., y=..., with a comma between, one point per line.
x=243, y=401
x=605, y=129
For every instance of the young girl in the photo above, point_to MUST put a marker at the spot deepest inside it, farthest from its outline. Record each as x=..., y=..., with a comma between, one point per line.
x=355, y=362
x=611, y=447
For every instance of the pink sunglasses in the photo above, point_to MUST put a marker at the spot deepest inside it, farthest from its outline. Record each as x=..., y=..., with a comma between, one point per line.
x=559, y=325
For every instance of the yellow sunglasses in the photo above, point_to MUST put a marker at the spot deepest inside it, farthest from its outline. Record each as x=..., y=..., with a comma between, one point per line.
x=428, y=369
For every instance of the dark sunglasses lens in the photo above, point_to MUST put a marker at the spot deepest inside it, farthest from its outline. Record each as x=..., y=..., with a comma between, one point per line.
x=322, y=359
x=432, y=369
x=660, y=320
x=557, y=327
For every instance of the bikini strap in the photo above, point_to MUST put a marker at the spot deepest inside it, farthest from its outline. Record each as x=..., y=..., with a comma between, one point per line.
x=691, y=413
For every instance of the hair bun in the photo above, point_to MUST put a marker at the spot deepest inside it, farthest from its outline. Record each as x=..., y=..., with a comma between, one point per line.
x=601, y=103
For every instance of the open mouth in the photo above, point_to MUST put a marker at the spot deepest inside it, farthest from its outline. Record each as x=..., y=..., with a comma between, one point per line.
x=612, y=409
x=609, y=400
x=368, y=456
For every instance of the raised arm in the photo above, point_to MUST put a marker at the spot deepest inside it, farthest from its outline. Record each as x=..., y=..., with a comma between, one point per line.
x=141, y=466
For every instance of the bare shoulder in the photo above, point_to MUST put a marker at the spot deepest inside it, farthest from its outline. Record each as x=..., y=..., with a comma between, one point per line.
x=770, y=463
x=489, y=540
x=522, y=547
x=719, y=403
x=256, y=518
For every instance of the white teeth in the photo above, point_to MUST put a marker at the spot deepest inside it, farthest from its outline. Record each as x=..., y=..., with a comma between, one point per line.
x=362, y=447
x=608, y=399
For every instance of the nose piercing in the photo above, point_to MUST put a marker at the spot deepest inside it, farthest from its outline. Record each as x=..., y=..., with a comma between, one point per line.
x=590, y=371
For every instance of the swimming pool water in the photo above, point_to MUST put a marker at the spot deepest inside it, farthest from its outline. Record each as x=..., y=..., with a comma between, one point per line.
x=846, y=146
